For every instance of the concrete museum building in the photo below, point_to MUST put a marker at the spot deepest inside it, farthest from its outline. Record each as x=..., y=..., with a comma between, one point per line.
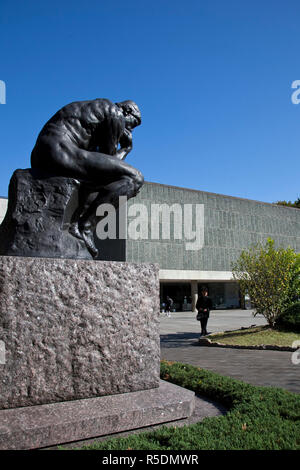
x=194, y=236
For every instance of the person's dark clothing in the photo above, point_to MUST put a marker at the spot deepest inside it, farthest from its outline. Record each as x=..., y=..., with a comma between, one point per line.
x=203, y=305
x=203, y=323
x=169, y=303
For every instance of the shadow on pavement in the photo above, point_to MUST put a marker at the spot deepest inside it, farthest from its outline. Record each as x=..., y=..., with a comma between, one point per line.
x=176, y=340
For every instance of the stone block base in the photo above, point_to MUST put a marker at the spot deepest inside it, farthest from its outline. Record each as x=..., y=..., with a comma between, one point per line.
x=39, y=213
x=48, y=425
x=75, y=329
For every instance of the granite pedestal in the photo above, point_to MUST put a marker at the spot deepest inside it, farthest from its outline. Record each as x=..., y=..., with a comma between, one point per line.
x=75, y=329
x=40, y=426
x=80, y=351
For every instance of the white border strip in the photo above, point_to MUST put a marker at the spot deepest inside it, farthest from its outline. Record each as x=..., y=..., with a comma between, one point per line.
x=186, y=275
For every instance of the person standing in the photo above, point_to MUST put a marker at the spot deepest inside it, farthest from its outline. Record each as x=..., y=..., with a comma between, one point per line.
x=204, y=305
x=169, y=303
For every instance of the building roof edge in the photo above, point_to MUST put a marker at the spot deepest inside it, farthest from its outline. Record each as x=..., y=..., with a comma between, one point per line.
x=222, y=195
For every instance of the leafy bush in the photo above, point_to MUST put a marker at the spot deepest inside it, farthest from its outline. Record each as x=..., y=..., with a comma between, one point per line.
x=271, y=277
x=290, y=318
x=258, y=417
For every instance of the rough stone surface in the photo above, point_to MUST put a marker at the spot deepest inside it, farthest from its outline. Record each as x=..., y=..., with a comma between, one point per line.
x=76, y=329
x=38, y=217
x=45, y=425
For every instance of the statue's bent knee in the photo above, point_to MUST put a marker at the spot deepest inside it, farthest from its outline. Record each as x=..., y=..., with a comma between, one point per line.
x=138, y=179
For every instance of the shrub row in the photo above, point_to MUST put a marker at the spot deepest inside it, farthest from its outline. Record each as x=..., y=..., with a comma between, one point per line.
x=258, y=417
x=290, y=318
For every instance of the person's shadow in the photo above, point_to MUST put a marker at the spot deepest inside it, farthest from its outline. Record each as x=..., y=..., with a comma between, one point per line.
x=177, y=340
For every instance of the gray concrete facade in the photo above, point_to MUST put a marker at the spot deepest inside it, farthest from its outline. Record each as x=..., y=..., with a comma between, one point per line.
x=3, y=208
x=230, y=225
x=224, y=225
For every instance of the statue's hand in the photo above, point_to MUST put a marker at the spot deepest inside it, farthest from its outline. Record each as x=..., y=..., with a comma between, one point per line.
x=122, y=153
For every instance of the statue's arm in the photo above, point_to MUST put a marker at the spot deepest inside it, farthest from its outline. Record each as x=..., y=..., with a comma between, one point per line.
x=125, y=144
x=114, y=134
x=118, y=134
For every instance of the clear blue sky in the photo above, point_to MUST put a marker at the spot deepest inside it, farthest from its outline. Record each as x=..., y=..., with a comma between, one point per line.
x=212, y=79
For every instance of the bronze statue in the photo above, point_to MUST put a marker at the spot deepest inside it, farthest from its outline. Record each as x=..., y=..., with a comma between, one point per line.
x=88, y=142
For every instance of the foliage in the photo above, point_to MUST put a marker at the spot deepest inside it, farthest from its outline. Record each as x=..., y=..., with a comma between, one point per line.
x=290, y=318
x=295, y=204
x=257, y=336
x=270, y=276
x=258, y=417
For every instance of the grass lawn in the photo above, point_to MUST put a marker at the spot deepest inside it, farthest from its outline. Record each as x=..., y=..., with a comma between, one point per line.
x=258, y=418
x=256, y=336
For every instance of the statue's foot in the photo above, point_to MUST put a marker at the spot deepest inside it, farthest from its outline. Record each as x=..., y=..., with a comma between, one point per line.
x=74, y=230
x=87, y=236
x=84, y=233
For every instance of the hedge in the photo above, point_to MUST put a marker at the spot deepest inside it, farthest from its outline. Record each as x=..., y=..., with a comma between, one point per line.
x=290, y=318
x=258, y=418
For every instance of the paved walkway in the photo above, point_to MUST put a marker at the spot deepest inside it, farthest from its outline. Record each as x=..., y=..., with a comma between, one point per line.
x=179, y=342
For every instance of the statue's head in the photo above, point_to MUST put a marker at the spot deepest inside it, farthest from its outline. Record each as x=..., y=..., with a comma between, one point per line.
x=131, y=113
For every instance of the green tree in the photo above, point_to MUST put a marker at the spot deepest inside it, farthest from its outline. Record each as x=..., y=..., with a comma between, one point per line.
x=270, y=276
x=295, y=204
